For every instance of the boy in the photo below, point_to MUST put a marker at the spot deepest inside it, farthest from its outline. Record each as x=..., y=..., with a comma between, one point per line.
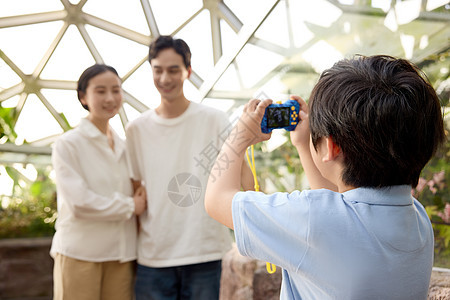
x=180, y=247
x=371, y=126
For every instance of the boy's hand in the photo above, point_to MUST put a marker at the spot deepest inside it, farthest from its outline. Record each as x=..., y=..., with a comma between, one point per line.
x=301, y=135
x=248, y=127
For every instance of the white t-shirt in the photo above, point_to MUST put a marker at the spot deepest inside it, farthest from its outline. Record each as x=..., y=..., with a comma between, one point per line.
x=362, y=244
x=95, y=208
x=173, y=158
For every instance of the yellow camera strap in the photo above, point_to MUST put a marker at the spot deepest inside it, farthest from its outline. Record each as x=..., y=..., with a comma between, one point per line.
x=271, y=268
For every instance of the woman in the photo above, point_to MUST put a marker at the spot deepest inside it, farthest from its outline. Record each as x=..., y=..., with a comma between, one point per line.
x=95, y=241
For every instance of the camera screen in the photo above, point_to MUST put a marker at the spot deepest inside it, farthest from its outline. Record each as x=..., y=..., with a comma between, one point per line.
x=278, y=117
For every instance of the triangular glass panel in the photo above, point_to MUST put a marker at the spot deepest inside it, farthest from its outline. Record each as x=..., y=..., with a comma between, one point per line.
x=250, y=66
x=70, y=59
x=8, y=77
x=140, y=86
x=11, y=102
x=131, y=113
x=319, y=12
x=25, y=7
x=191, y=92
x=35, y=121
x=170, y=17
x=66, y=102
x=248, y=10
x=117, y=125
x=229, y=81
x=229, y=37
x=274, y=28
x=26, y=45
x=128, y=14
x=121, y=53
x=322, y=56
x=197, y=34
x=220, y=104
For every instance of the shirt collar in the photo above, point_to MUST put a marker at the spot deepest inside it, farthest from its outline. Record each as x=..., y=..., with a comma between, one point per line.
x=398, y=195
x=174, y=121
x=88, y=129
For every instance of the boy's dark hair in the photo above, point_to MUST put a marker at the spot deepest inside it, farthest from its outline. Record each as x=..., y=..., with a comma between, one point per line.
x=89, y=73
x=166, y=41
x=383, y=114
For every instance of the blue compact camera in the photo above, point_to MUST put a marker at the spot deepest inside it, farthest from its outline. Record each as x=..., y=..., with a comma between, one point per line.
x=278, y=116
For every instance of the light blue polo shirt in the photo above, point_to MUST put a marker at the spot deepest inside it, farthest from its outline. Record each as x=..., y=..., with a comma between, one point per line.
x=362, y=244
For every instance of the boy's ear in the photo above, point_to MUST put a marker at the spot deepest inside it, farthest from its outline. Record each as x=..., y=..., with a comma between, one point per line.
x=333, y=150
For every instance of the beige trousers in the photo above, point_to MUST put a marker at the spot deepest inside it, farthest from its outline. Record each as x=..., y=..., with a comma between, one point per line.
x=75, y=279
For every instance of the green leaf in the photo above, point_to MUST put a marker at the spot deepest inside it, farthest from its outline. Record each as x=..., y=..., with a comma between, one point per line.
x=431, y=210
x=36, y=188
x=65, y=120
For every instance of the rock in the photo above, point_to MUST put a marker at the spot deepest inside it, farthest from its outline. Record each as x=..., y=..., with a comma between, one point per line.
x=26, y=268
x=439, y=285
x=237, y=276
x=244, y=278
x=266, y=286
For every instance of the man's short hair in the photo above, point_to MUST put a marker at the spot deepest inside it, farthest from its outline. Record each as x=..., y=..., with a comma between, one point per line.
x=166, y=41
x=383, y=114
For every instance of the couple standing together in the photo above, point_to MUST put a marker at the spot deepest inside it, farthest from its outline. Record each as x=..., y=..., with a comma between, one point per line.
x=159, y=175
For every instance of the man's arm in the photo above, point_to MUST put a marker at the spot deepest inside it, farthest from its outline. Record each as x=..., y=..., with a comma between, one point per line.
x=224, y=183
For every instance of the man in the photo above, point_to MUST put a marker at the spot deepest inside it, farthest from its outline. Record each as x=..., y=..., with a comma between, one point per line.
x=172, y=149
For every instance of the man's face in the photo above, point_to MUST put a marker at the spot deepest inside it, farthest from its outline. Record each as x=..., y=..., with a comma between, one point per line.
x=169, y=74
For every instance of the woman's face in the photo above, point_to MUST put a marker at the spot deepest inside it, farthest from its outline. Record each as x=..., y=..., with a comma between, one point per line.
x=103, y=96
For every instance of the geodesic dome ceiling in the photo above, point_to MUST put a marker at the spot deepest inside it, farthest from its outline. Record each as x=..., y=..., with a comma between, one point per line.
x=240, y=49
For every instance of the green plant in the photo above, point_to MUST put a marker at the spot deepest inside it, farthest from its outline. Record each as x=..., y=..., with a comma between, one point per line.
x=8, y=116
x=433, y=192
x=279, y=170
x=31, y=209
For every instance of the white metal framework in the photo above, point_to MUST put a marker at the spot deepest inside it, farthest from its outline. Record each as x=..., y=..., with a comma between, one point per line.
x=356, y=27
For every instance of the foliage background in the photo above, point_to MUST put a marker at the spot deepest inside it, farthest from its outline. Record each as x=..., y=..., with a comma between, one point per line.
x=30, y=211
